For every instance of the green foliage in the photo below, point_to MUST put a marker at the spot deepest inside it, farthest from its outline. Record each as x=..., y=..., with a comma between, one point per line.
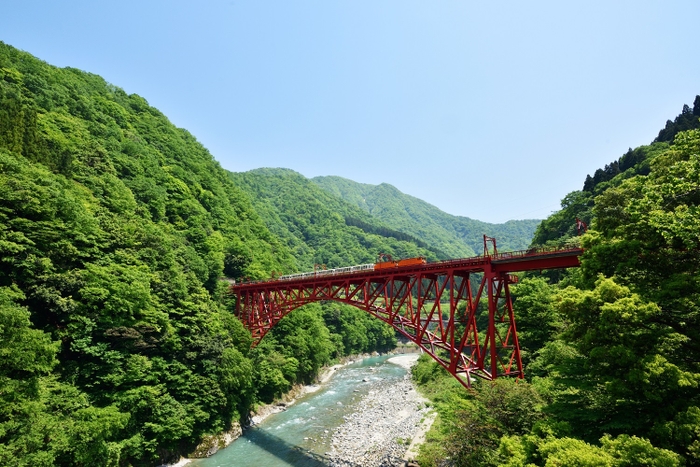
x=44, y=421
x=25, y=353
x=118, y=347
x=303, y=336
x=561, y=226
x=115, y=228
x=623, y=451
x=633, y=162
x=119, y=234
x=647, y=238
x=355, y=331
x=372, y=228
x=624, y=361
x=688, y=119
x=630, y=380
x=470, y=425
x=456, y=236
x=315, y=226
x=538, y=319
x=611, y=351
x=434, y=379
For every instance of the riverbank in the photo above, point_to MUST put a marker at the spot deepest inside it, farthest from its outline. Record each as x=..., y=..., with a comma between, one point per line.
x=373, y=384
x=387, y=428
x=407, y=361
x=297, y=391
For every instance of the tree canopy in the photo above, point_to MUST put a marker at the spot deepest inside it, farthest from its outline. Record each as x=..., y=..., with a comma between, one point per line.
x=456, y=236
x=119, y=234
x=321, y=229
x=610, y=350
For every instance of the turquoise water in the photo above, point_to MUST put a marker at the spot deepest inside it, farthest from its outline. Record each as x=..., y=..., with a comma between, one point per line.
x=301, y=435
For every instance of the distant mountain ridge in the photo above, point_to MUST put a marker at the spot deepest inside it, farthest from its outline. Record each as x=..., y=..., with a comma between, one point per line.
x=321, y=228
x=455, y=235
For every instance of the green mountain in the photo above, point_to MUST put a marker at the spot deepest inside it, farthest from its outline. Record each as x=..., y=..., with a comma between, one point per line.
x=610, y=349
x=457, y=236
x=580, y=204
x=561, y=227
x=117, y=233
x=319, y=228
x=116, y=345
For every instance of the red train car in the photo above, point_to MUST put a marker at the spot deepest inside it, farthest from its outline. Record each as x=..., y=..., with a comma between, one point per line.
x=385, y=265
x=400, y=263
x=411, y=262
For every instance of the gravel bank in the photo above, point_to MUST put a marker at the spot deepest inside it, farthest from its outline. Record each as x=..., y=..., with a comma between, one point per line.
x=386, y=422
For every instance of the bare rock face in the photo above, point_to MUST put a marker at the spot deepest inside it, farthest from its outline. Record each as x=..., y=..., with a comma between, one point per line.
x=211, y=444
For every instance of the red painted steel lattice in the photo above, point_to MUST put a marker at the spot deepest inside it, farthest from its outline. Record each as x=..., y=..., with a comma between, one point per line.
x=435, y=305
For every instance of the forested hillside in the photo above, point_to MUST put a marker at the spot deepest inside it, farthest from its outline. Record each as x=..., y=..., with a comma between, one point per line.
x=611, y=353
x=457, y=236
x=688, y=119
x=579, y=204
x=117, y=344
x=320, y=228
x=115, y=228
x=119, y=231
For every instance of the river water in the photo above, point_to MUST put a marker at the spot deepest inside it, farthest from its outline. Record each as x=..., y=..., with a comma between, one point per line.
x=301, y=435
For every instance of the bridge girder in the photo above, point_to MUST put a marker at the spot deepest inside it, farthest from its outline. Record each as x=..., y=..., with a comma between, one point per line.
x=436, y=306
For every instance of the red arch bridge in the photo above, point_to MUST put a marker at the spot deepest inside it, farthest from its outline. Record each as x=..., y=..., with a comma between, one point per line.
x=435, y=305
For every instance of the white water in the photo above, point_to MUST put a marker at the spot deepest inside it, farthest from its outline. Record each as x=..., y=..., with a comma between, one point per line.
x=301, y=435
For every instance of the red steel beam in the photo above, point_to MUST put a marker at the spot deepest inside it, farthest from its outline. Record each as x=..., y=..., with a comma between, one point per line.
x=431, y=304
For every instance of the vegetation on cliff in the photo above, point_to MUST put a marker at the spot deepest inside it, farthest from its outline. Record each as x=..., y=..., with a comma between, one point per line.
x=118, y=232
x=610, y=350
x=116, y=227
x=117, y=344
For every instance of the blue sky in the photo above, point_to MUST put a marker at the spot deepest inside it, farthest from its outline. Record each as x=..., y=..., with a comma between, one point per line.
x=490, y=110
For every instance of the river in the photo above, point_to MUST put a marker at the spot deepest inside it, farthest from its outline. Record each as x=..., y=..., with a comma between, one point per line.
x=301, y=435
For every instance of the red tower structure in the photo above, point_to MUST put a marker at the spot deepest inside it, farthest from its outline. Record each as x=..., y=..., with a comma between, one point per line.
x=436, y=305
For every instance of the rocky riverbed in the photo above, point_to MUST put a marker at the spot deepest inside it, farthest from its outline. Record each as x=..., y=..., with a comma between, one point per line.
x=377, y=411
x=388, y=419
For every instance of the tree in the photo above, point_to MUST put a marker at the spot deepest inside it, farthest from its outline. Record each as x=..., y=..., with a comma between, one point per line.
x=637, y=329
x=537, y=317
x=44, y=421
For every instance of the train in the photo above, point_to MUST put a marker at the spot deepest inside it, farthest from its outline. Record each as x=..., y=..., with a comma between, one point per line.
x=399, y=264
x=388, y=263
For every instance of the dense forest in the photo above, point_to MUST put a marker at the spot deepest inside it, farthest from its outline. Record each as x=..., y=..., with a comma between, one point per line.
x=117, y=233
x=457, y=237
x=611, y=353
x=335, y=221
x=322, y=229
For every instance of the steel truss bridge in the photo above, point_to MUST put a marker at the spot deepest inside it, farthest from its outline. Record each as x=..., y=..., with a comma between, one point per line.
x=436, y=305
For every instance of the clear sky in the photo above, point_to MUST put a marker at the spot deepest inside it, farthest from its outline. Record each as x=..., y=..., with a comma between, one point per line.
x=490, y=110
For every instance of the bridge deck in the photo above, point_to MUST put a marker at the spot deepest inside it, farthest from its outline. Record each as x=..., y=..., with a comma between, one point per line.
x=512, y=261
x=433, y=304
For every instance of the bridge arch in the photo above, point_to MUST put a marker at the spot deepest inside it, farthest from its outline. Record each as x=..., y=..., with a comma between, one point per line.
x=435, y=305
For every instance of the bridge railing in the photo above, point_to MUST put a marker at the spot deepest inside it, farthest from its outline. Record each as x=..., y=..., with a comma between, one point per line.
x=535, y=251
x=364, y=268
